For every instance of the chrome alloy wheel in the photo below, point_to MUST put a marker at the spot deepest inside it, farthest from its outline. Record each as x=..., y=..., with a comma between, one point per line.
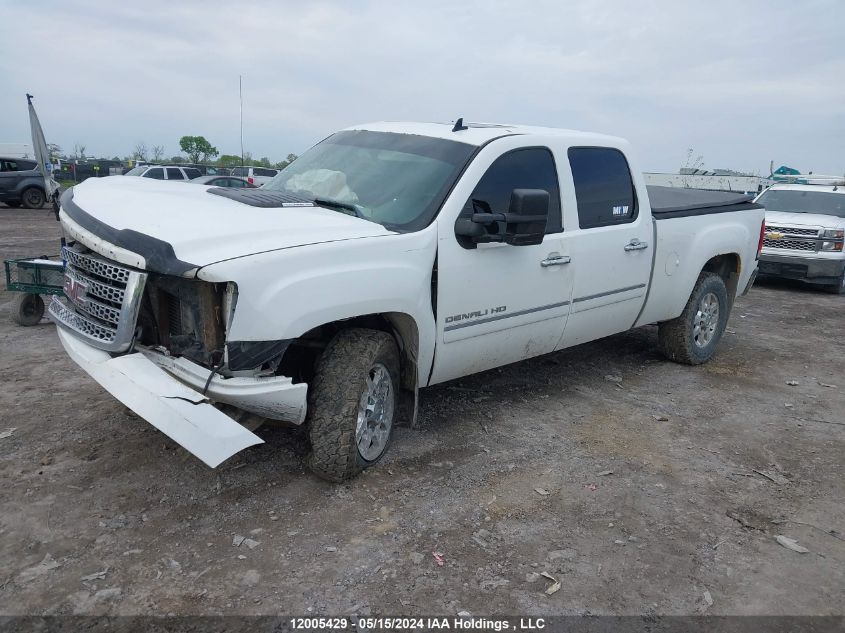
x=706, y=320
x=375, y=414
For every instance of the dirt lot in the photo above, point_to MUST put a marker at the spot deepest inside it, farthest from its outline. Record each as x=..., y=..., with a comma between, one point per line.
x=505, y=478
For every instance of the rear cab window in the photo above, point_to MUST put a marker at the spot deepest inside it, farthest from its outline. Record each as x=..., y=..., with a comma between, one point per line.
x=604, y=189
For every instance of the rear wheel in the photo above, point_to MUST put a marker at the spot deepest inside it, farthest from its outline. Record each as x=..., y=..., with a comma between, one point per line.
x=352, y=403
x=33, y=198
x=27, y=309
x=692, y=338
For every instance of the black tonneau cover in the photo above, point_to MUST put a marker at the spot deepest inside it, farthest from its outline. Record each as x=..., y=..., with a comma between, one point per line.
x=679, y=202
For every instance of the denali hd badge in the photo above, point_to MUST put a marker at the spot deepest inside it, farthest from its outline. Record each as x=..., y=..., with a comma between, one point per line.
x=476, y=314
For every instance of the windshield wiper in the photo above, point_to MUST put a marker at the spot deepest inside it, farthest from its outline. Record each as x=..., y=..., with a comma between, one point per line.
x=339, y=204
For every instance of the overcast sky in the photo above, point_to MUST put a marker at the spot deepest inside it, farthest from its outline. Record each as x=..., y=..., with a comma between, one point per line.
x=743, y=83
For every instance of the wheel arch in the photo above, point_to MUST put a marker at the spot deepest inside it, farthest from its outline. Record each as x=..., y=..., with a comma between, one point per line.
x=401, y=326
x=729, y=267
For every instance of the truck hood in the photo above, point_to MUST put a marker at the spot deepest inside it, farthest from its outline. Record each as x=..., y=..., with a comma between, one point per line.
x=778, y=218
x=177, y=227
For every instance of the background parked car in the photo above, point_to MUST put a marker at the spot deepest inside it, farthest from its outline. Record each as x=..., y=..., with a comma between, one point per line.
x=255, y=175
x=223, y=181
x=805, y=232
x=21, y=183
x=207, y=170
x=165, y=172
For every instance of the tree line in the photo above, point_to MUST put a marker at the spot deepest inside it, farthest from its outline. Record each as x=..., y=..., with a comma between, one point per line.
x=196, y=149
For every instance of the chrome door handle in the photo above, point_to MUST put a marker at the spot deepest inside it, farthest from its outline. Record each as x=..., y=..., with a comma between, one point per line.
x=636, y=245
x=555, y=260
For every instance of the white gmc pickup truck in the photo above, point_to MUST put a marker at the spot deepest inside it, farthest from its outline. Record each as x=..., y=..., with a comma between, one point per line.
x=388, y=257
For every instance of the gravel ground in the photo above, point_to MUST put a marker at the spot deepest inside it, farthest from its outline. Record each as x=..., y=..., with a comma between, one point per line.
x=642, y=486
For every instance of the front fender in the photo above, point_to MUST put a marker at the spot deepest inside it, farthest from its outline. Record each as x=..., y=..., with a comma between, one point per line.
x=283, y=294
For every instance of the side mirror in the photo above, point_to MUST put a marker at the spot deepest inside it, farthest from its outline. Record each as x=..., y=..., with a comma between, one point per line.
x=523, y=225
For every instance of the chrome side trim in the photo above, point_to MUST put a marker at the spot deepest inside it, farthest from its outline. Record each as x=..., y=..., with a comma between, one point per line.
x=499, y=317
x=609, y=292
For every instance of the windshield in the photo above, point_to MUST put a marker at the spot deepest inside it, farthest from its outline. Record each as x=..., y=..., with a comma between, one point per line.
x=137, y=171
x=398, y=180
x=803, y=201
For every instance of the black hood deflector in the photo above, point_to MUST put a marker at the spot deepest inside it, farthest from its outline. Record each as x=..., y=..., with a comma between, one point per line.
x=158, y=254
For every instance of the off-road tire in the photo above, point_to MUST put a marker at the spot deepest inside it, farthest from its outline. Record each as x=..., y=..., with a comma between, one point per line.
x=33, y=198
x=676, y=336
x=27, y=309
x=334, y=395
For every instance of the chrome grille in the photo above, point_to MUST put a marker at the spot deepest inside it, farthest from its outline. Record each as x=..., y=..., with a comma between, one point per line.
x=795, y=245
x=789, y=230
x=96, y=266
x=112, y=294
x=70, y=319
x=101, y=300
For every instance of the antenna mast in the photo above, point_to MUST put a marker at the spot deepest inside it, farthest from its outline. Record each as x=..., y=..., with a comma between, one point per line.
x=241, y=95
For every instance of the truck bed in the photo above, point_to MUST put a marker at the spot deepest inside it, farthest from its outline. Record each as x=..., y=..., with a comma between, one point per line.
x=678, y=202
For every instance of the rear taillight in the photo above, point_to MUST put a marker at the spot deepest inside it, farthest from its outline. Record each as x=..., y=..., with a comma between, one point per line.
x=251, y=181
x=762, y=237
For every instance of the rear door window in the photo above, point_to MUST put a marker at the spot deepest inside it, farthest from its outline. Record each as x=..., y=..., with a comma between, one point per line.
x=264, y=172
x=604, y=189
x=239, y=171
x=174, y=173
x=155, y=172
x=192, y=172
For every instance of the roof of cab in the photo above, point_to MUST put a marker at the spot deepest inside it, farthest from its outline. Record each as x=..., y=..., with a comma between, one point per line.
x=481, y=133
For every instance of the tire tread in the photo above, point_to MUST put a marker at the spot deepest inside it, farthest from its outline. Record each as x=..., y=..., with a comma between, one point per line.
x=334, y=395
x=675, y=336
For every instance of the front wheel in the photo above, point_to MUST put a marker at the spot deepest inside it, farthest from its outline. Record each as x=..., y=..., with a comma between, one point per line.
x=352, y=403
x=692, y=338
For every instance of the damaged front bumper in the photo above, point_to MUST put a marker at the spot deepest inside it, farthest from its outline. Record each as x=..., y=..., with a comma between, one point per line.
x=147, y=383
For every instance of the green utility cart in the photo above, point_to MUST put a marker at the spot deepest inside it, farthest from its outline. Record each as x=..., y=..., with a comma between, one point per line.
x=31, y=278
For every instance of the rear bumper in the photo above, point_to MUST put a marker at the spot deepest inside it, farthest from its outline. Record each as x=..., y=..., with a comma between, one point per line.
x=815, y=270
x=177, y=410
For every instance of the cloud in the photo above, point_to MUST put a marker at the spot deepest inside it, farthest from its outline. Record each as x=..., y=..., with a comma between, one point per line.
x=742, y=83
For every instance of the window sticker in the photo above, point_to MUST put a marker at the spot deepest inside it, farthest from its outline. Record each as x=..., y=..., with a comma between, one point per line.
x=620, y=210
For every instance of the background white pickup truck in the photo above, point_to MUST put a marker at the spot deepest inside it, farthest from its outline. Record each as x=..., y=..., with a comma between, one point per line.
x=805, y=232
x=388, y=257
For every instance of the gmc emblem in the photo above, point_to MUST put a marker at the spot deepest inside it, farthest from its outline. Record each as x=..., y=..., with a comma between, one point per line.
x=75, y=290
